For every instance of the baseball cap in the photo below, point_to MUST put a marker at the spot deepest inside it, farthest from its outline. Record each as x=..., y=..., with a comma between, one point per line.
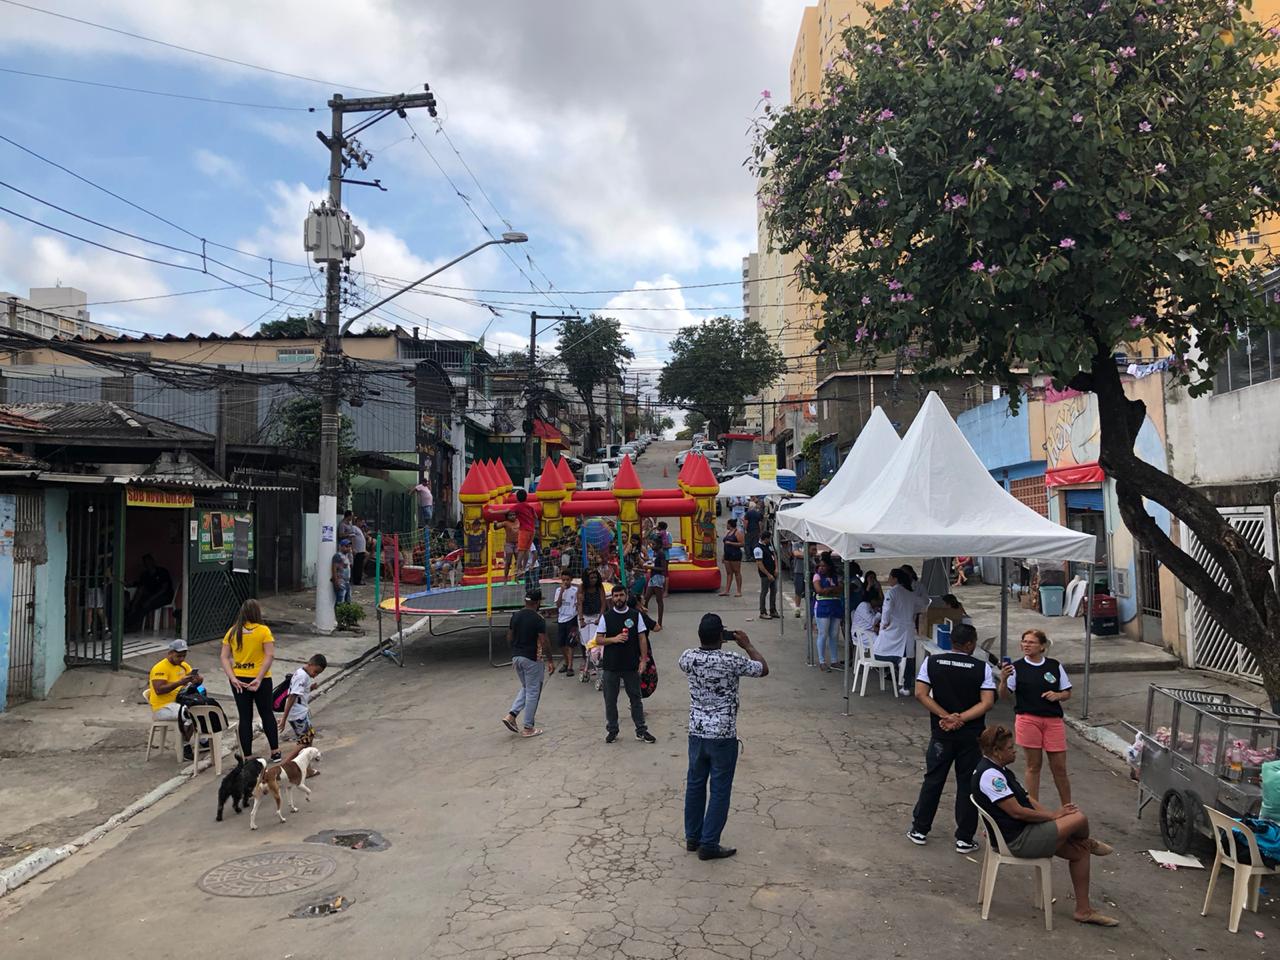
x=178, y=646
x=533, y=596
x=710, y=628
x=344, y=542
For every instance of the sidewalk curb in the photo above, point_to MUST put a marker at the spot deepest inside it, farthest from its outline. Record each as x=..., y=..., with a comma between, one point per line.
x=30, y=867
x=1100, y=736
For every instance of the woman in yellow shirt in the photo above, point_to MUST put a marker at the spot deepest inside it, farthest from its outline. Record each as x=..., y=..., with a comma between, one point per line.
x=247, y=652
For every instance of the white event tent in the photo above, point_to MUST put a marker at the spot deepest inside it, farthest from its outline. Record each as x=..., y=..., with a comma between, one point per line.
x=934, y=498
x=876, y=444
x=749, y=486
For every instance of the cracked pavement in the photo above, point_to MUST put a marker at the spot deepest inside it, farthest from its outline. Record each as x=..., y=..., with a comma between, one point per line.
x=563, y=846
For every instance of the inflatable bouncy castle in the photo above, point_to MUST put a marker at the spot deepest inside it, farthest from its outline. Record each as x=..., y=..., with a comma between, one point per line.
x=487, y=492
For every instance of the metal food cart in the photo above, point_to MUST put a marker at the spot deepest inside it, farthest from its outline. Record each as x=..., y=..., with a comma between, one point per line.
x=1198, y=748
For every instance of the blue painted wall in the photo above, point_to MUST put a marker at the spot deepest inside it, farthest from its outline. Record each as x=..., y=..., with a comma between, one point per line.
x=51, y=593
x=999, y=438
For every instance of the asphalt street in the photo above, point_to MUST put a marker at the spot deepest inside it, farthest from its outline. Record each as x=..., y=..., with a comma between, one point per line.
x=563, y=846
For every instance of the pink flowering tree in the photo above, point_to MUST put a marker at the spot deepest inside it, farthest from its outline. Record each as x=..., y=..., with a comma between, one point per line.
x=1006, y=186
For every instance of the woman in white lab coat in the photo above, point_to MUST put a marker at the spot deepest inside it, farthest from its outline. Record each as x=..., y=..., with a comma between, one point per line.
x=897, y=637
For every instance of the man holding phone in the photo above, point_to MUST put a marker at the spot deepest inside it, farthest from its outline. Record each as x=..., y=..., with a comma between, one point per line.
x=713, y=731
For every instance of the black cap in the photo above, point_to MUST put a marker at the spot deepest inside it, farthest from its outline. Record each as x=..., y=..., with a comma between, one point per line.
x=533, y=596
x=710, y=628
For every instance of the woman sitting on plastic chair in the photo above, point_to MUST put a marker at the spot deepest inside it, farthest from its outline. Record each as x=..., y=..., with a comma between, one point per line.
x=1030, y=830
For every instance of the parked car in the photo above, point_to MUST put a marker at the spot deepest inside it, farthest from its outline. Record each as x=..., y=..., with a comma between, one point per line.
x=713, y=458
x=738, y=470
x=705, y=446
x=596, y=476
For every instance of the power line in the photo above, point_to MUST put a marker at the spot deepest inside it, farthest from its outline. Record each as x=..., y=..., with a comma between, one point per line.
x=183, y=49
x=155, y=93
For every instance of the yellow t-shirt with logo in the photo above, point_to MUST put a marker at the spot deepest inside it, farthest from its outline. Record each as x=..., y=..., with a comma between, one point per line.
x=166, y=671
x=246, y=661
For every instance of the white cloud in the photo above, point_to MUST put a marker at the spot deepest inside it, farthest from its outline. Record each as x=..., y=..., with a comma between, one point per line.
x=217, y=167
x=621, y=126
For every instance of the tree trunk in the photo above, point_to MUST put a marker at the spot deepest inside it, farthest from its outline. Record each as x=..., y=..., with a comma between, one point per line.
x=1248, y=609
x=593, y=423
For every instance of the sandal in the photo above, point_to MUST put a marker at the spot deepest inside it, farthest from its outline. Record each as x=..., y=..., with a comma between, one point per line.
x=509, y=722
x=1098, y=919
x=535, y=732
x=1100, y=849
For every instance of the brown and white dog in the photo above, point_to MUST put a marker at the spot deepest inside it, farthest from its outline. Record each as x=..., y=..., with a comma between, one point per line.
x=289, y=775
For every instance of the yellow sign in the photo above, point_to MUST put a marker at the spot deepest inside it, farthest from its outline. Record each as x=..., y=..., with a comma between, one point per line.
x=768, y=467
x=151, y=497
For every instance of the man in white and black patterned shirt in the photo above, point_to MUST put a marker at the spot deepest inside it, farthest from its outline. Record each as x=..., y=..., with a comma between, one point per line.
x=713, y=731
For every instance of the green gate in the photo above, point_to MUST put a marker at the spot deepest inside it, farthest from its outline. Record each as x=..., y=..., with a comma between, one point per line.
x=222, y=565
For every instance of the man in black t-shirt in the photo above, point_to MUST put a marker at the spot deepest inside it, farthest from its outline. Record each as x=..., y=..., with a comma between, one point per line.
x=958, y=690
x=527, y=635
x=767, y=567
x=626, y=648
x=754, y=517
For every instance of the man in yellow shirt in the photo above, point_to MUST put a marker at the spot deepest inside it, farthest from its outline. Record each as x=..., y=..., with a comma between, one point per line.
x=167, y=679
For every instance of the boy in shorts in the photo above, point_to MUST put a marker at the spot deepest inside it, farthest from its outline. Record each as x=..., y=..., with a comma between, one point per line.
x=296, y=710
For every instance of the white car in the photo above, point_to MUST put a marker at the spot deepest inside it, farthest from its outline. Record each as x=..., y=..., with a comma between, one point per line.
x=713, y=457
x=596, y=476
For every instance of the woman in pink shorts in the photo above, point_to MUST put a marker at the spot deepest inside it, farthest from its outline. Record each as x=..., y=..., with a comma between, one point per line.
x=1039, y=686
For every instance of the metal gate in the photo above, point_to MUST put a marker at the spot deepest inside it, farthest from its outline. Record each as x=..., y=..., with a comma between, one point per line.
x=28, y=551
x=215, y=589
x=95, y=569
x=1209, y=646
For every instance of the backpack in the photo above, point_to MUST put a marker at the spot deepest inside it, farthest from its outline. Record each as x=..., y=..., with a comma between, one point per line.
x=649, y=678
x=280, y=694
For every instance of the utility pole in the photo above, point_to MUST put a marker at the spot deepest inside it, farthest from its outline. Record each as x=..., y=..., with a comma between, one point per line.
x=530, y=402
x=330, y=238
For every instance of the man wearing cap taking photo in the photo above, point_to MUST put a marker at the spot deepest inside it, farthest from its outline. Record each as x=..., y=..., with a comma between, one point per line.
x=166, y=681
x=713, y=731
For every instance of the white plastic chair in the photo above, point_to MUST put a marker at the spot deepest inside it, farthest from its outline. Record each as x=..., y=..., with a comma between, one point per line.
x=864, y=662
x=203, y=717
x=1248, y=876
x=164, y=726
x=994, y=857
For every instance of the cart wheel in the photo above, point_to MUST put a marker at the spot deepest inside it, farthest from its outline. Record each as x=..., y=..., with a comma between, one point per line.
x=1178, y=820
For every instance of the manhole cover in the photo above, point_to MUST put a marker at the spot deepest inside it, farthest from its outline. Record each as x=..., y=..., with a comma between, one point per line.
x=264, y=874
x=356, y=839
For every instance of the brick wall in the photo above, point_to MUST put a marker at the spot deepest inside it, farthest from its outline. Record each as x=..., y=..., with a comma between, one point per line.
x=1032, y=492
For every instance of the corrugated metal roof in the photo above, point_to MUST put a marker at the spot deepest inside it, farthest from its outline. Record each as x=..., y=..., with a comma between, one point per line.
x=103, y=419
x=53, y=476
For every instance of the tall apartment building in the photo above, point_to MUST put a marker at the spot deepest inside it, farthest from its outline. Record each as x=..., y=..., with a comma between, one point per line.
x=50, y=312
x=791, y=315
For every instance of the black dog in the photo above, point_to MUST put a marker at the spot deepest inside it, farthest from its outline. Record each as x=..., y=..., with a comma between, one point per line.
x=238, y=785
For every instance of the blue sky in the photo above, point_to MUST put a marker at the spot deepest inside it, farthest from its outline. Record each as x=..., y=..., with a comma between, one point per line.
x=612, y=133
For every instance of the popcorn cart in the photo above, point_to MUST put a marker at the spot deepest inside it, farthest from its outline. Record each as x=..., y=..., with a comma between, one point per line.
x=1199, y=748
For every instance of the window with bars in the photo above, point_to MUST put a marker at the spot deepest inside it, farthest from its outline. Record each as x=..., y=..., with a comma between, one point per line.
x=1254, y=359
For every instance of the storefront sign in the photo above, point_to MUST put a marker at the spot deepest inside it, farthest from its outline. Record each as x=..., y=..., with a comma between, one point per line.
x=768, y=465
x=220, y=533
x=151, y=497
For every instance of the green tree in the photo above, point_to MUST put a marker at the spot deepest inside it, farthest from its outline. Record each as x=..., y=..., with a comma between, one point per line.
x=810, y=453
x=715, y=364
x=296, y=425
x=593, y=352
x=694, y=422
x=1002, y=186
x=290, y=326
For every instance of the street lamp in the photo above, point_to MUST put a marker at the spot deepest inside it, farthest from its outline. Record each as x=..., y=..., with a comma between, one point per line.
x=511, y=236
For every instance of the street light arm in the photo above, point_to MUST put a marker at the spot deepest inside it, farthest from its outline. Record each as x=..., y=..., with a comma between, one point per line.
x=506, y=238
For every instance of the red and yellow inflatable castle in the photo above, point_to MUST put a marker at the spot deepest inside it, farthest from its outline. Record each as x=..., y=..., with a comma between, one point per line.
x=487, y=492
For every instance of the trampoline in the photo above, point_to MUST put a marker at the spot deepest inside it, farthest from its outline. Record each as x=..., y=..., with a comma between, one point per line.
x=468, y=603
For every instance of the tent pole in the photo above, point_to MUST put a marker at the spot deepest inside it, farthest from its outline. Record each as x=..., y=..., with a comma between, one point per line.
x=847, y=638
x=808, y=607
x=1004, y=608
x=777, y=575
x=1088, y=639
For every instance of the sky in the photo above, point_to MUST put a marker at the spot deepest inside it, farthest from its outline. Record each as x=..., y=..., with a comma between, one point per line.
x=612, y=133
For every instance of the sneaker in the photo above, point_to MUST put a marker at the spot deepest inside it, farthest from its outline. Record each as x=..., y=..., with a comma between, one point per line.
x=904, y=692
x=966, y=846
x=611, y=737
x=187, y=754
x=797, y=613
x=918, y=838
x=646, y=737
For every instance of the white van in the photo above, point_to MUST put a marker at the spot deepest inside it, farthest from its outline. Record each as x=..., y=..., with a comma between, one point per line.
x=596, y=476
